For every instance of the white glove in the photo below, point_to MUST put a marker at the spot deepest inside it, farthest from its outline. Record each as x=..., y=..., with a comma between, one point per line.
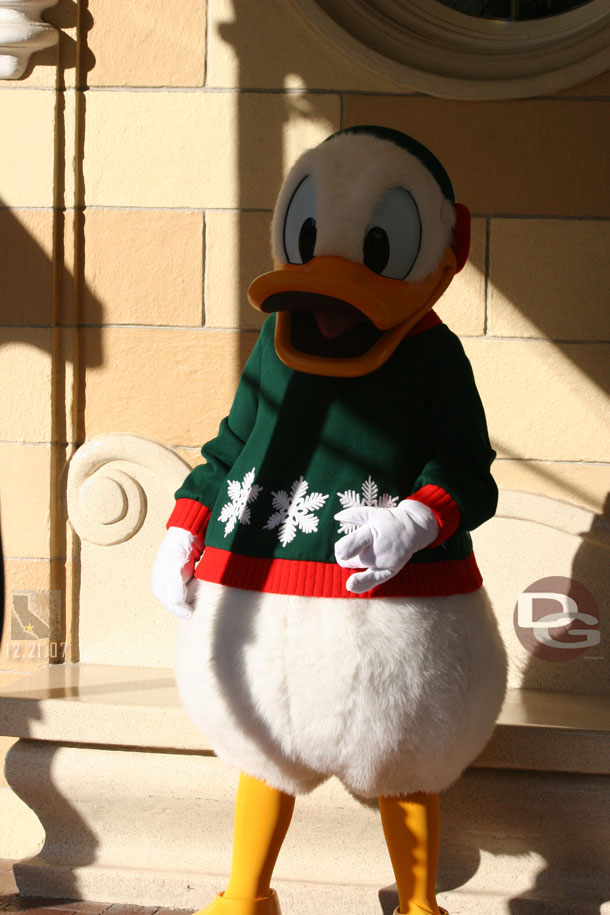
x=173, y=569
x=384, y=541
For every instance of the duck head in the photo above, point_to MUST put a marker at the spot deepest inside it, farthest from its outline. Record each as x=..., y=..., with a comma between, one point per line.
x=366, y=237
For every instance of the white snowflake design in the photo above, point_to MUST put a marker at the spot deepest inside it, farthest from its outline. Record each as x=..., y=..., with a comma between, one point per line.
x=370, y=497
x=241, y=495
x=295, y=511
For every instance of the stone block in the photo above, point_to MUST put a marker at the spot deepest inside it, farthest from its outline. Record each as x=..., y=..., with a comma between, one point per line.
x=38, y=598
x=26, y=246
x=530, y=157
x=25, y=403
x=462, y=307
x=170, y=385
x=544, y=401
x=198, y=149
x=27, y=153
x=25, y=471
x=276, y=47
x=237, y=251
x=582, y=484
x=143, y=267
x=549, y=278
x=147, y=44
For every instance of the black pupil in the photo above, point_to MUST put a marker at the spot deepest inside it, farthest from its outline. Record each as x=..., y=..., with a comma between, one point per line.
x=307, y=239
x=376, y=249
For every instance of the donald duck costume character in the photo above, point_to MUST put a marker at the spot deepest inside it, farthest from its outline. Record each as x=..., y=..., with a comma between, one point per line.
x=335, y=623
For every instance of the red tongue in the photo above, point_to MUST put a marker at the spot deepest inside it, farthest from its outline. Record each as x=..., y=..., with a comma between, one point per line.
x=331, y=324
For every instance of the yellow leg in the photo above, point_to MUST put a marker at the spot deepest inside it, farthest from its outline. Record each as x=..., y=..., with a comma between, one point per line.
x=412, y=828
x=262, y=818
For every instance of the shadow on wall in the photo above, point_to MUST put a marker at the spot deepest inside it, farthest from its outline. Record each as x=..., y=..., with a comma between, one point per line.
x=571, y=675
x=570, y=670
x=530, y=810
x=39, y=308
x=22, y=760
x=42, y=251
x=42, y=264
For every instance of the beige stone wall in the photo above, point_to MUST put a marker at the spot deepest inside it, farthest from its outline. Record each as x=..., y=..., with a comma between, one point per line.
x=138, y=169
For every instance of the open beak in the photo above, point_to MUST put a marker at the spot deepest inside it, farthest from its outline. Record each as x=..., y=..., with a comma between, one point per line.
x=338, y=318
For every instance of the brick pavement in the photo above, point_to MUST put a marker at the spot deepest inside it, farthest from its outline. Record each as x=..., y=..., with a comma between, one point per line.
x=14, y=904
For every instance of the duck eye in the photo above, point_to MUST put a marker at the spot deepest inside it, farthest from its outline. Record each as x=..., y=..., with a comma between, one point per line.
x=307, y=239
x=393, y=235
x=300, y=229
x=376, y=249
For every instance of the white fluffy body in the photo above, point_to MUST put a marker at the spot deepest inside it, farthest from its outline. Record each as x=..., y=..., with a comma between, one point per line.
x=351, y=172
x=391, y=695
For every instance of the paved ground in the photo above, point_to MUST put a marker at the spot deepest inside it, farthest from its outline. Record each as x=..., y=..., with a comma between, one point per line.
x=11, y=903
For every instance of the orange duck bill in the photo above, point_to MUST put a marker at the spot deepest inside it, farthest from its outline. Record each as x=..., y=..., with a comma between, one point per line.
x=338, y=318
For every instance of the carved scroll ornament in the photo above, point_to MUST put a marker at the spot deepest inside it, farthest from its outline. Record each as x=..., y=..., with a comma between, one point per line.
x=106, y=503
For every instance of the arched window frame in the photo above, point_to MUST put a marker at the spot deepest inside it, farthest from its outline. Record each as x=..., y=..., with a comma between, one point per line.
x=434, y=49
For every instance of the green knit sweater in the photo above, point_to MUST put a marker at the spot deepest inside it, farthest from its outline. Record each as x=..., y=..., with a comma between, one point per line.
x=297, y=448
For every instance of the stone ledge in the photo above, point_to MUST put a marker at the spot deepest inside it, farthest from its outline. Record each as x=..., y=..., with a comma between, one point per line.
x=103, y=705
x=135, y=806
x=98, y=704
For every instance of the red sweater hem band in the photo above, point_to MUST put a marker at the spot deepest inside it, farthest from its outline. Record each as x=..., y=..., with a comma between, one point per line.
x=326, y=579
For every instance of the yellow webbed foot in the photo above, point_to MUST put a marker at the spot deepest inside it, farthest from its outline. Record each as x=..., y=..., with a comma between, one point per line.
x=223, y=905
x=419, y=911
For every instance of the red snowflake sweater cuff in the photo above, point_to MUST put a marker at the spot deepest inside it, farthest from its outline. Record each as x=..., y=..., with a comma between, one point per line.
x=446, y=510
x=190, y=515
